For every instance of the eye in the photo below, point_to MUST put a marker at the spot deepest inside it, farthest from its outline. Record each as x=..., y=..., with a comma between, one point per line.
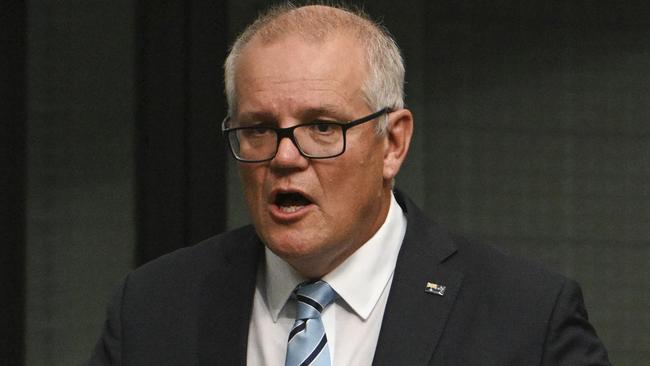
x=254, y=132
x=322, y=128
x=259, y=130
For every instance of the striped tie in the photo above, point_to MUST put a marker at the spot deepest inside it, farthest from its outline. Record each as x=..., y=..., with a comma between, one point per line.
x=307, y=340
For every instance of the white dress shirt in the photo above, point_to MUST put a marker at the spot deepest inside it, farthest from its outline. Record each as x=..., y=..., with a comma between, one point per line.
x=352, y=322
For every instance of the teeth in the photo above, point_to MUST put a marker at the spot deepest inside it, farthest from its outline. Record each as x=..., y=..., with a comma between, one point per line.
x=290, y=209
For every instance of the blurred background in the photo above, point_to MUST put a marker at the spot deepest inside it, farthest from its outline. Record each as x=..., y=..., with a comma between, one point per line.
x=532, y=135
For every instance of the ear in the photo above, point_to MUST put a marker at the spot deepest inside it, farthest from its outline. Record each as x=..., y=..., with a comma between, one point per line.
x=397, y=141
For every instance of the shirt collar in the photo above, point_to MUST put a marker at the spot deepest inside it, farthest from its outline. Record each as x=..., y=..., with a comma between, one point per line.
x=359, y=280
x=280, y=279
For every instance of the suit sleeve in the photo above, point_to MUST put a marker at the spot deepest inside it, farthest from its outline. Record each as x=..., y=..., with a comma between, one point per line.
x=108, y=350
x=571, y=340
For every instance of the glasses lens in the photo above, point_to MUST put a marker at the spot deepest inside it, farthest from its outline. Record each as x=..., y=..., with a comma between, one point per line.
x=314, y=140
x=252, y=143
x=320, y=140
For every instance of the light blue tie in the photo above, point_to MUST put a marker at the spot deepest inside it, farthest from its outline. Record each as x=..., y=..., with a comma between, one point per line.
x=307, y=339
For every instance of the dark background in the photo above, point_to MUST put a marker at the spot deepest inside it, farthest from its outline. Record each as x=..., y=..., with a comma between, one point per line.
x=532, y=134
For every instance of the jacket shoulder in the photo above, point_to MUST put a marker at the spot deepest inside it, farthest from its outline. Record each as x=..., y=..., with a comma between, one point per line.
x=189, y=263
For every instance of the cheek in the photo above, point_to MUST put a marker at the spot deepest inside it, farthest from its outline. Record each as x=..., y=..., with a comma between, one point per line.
x=371, y=167
x=356, y=183
x=252, y=183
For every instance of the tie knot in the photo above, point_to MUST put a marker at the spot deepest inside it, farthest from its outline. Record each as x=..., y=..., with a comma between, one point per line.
x=312, y=298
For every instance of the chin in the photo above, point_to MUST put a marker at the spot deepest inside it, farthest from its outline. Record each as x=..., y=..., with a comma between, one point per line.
x=289, y=246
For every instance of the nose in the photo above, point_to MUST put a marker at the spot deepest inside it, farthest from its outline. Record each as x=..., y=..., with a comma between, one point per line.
x=288, y=155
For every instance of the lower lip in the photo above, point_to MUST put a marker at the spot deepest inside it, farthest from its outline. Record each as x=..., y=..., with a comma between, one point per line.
x=279, y=215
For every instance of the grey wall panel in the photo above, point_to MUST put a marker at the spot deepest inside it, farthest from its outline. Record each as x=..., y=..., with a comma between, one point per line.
x=541, y=146
x=80, y=189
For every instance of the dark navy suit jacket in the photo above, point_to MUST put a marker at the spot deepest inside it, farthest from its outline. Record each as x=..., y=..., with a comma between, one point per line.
x=193, y=307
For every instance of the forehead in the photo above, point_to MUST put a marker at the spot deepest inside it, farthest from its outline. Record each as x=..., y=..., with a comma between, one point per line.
x=294, y=69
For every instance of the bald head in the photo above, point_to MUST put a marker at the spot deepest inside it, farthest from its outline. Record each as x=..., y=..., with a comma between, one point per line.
x=384, y=77
x=314, y=23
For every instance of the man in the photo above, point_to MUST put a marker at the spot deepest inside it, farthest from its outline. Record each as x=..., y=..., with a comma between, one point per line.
x=337, y=268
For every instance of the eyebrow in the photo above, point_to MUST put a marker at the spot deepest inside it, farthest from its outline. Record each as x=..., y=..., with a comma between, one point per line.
x=305, y=115
x=324, y=110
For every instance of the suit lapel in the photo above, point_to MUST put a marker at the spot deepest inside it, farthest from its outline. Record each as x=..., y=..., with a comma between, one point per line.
x=414, y=319
x=226, y=303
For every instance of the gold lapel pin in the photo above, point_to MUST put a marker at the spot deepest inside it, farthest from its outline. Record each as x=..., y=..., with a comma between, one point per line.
x=434, y=288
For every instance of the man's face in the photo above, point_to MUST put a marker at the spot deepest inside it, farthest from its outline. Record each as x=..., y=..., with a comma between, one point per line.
x=313, y=213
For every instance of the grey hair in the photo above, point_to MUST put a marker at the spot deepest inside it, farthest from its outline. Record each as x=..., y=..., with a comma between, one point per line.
x=383, y=85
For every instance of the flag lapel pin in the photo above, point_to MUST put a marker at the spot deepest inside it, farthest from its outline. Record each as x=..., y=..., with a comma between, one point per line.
x=434, y=288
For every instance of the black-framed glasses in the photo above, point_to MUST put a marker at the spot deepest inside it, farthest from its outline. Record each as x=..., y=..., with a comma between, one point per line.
x=314, y=140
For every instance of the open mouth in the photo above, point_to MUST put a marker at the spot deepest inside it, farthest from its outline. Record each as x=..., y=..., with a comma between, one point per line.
x=290, y=202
